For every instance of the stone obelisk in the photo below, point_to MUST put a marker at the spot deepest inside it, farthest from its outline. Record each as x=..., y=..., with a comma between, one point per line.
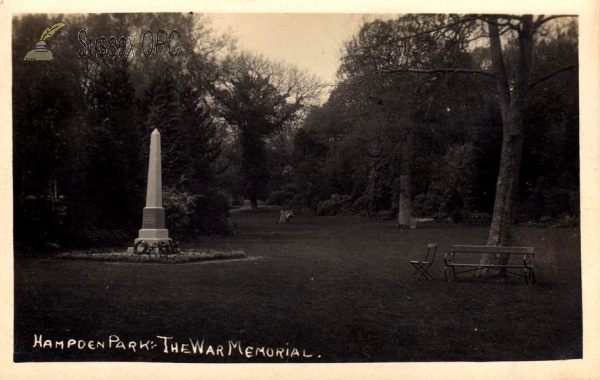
x=153, y=221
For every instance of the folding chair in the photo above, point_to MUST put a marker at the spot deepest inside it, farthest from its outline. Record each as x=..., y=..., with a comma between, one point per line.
x=422, y=267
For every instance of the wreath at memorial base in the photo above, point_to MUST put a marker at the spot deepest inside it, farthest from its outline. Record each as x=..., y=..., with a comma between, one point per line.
x=141, y=247
x=164, y=248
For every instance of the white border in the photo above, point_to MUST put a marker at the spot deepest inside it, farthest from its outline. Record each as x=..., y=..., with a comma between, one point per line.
x=588, y=368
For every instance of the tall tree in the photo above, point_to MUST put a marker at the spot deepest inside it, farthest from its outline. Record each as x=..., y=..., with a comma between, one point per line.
x=412, y=101
x=550, y=168
x=260, y=97
x=514, y=94
x=77, y=126
x=47, y=118
x=114, y=166
x=514, y=85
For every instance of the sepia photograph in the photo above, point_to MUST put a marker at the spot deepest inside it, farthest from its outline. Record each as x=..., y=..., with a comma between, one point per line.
x=369, y=188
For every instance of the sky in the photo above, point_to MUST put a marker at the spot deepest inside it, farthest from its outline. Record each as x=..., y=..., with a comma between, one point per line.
x=312, y=42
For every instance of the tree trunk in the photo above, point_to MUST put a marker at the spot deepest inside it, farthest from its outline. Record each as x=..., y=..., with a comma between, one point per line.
x=514, y=99
x=404, y=208
x=404, y=212
x=253, y=203
x=501, y=231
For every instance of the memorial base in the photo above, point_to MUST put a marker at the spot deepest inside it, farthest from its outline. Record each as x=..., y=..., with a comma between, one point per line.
x=153, y=226
x=153, y=236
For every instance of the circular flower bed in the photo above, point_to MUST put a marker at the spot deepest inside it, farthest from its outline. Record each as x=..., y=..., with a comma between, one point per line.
x=182, y=257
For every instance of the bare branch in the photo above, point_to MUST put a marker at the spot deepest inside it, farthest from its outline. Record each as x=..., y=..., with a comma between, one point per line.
x=434, y=71
x=508, y=24
x=541, y=20
x=550, y=75
x=442, y=27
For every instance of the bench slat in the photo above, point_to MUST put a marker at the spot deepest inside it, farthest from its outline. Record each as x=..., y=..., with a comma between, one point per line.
x=487, y=265
x=496, y=250
x=452, y=257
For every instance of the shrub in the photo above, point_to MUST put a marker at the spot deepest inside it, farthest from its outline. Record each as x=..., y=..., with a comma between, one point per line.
x=289, y=196
x=210, y=215
x=567, y=220
x=426, y=205
x=40, y=220
x=335, y=205
x=365, y=206
x=454, y=184
x=196, y=214
x=88, y=237
x=178, y=207
x=557, y=201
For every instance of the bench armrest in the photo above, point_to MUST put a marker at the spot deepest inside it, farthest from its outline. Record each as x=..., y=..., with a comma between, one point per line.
x=448, y=258
x=528, y=260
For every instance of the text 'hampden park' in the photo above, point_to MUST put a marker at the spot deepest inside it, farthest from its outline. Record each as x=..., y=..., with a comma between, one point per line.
x=168, y=345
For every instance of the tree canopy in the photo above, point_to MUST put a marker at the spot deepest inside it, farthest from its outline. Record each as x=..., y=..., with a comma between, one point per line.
x=82, y=125
x=259, y=97
x=432, y=116
x=430, y=97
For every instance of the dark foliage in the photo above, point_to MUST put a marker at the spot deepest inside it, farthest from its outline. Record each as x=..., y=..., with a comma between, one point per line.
x=82, y=126
x=355, y=145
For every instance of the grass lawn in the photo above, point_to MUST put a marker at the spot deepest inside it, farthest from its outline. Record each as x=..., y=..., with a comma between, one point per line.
x=322, y=289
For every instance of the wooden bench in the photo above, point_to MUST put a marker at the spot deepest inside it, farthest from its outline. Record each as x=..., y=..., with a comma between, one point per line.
x=469, y=256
